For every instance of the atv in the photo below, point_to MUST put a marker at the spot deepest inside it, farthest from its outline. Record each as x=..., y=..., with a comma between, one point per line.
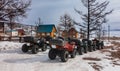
x=78, y=43
x=62, y=48
x=34, y=44
x=97, y=44
x=87, y=45
x=101, y=44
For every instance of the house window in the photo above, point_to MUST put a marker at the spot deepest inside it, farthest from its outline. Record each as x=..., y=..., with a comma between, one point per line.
x=74, y=32
x=74, y=36
x=43, y=34
x=48, y=34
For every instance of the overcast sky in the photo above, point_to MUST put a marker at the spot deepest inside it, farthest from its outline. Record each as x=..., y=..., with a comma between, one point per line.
x=50, y=11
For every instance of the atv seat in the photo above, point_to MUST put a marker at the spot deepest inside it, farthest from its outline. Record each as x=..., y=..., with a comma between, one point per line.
x=57, y=42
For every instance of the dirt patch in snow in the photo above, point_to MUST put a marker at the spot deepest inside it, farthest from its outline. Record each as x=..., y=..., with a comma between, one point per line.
x=109, y=58
x=102, y=51
x=116, y=54
x=116, y=63
x=115, y=43
x=108, y=47
x=96, y=66
x=93, y=59
x=114, y=51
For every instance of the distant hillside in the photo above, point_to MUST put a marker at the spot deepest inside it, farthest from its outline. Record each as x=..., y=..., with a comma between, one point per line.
x=115, y=30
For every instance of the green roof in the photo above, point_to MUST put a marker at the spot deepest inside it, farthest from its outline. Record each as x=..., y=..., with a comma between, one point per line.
x=45, y=28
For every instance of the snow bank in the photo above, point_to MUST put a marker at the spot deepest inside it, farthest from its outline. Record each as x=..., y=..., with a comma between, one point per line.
x=5, y=45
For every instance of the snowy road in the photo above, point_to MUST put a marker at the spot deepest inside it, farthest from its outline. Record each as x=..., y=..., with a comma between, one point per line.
x=13, y=59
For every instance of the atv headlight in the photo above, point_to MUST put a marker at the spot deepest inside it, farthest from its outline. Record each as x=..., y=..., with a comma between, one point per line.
x=28, y=44
x=38, y=41
x=47, y=42
x=75, y=47
x=53, y=46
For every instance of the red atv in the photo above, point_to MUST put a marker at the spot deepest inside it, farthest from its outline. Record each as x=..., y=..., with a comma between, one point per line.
x=62, y=48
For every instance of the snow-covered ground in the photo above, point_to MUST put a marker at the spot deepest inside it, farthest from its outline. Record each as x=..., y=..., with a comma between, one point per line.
x=13, y=59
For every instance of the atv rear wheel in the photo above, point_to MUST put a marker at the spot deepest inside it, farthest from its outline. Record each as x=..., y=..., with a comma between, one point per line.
x=73, y=54
x=44, y=48
x=90, y=49
x=101, y=47
x=85, y=49
x=79, y=50
x=64, y=56
x=25, y=48
x=52, y=54
x=94, y=48
x=35, y=49
x=98, y=46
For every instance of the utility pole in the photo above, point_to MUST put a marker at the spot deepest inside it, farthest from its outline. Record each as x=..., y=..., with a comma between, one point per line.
x=108, y=32
x=103, y=32
x=31, y=30
x=88, y=28
x=99, y=31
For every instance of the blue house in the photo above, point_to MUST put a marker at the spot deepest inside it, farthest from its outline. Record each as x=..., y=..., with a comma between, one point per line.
x=46, y=30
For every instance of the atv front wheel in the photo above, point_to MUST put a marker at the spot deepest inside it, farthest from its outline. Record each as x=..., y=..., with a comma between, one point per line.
x=94, y=48
x=90, y=48
x=35, y=49
x=64, y=56
x=25, y=48
x=79, y=50
x=52, y=54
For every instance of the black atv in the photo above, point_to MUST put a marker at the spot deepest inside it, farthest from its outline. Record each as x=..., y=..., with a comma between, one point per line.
x=97, y=44
x=34, y=44
x=87, y=45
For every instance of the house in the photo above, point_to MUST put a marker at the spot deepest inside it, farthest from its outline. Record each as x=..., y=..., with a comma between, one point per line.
x=64, y=33
x=21, y=32
x=72, y=32
x=46, y=30
x=1, y=27
x=16, y=32
x=2, y=23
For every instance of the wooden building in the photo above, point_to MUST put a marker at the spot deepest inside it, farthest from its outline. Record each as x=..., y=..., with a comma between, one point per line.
x=72, y=32
x=46, y=30
x=21, y=32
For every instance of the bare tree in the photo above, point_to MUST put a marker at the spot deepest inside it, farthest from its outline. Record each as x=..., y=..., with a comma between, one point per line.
x=66, y=23
x=12, y=10
x=38, y=22
x=59, y=30
x=95, y=16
